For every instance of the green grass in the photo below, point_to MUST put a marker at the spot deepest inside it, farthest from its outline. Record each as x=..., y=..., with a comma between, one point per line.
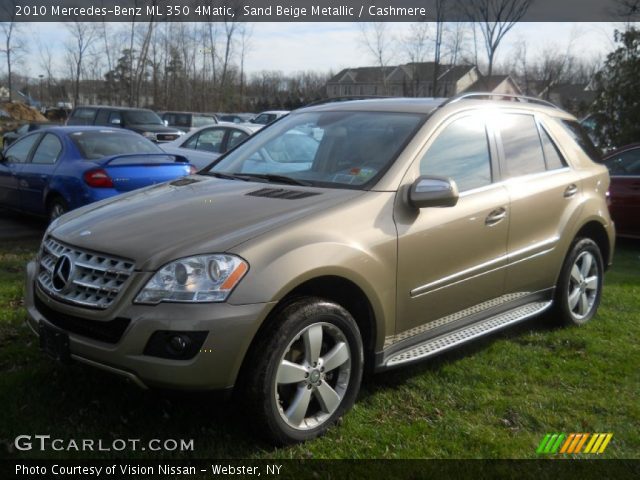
x=495, y=398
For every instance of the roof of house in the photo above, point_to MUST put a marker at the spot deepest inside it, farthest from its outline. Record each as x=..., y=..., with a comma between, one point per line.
x=489, y=84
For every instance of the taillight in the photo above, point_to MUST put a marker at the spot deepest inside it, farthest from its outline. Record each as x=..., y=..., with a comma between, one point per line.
x=98, y=179
x=192, y=170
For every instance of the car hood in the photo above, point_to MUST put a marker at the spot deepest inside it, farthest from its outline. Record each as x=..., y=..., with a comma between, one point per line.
x=189, y=216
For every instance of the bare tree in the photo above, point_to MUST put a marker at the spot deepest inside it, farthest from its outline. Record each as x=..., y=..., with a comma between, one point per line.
x=246, y=31
x=83, y=35
x=379, y=43
x=13, y=46
x=495, y=18
x=440, y=9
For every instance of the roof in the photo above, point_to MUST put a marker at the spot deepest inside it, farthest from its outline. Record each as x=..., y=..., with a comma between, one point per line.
x=362, y=74
x=84, y=128
x=114, y=108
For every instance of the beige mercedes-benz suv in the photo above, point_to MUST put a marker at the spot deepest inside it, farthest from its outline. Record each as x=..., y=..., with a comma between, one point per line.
x=348, y=236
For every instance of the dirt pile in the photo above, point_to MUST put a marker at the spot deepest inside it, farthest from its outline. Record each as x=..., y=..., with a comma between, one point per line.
x=20, y=112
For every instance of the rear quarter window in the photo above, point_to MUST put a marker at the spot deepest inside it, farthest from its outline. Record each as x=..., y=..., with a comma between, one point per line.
x=575, y=130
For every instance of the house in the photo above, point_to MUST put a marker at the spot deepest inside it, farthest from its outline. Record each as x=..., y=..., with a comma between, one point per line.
x=417, y=80
x=495, y=84
x=576, y=98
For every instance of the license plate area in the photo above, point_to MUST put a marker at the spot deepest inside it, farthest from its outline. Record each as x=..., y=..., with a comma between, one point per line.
x=54, y=342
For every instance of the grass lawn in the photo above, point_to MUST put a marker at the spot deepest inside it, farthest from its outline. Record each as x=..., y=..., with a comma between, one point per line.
x=495, y=398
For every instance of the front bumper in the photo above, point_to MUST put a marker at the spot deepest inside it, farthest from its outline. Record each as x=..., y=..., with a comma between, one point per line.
x=231, y=328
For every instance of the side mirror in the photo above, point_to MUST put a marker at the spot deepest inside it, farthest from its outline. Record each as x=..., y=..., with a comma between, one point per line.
x=2, y=157
x=116, y=121
x=431, y=191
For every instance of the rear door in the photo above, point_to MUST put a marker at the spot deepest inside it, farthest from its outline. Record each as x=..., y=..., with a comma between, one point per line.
x=625, y=191
x=11, y=181
x=543, y=193
x=36, y=174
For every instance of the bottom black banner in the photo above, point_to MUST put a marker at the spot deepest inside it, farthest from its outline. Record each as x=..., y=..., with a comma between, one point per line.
x=321, y=469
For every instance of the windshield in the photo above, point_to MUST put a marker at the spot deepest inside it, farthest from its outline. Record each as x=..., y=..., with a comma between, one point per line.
x=94, y=145
x=141, y=117
x=338, y=149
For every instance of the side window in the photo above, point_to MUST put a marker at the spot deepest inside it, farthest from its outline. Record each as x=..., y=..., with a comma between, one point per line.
x=102, y=118
x=625, y=164
x=460, y=152
x=84, y=116
x=574, y=129
x=23, y=129
x=48, y=150
x=236, y=137
x=19, y=151
x=521, y=144
x=115, y=116
x=551, y=153
x=210, y=140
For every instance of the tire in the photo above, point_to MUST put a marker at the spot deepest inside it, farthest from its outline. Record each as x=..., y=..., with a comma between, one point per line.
x=306, y=374
x=56, y=208
x=579, y=287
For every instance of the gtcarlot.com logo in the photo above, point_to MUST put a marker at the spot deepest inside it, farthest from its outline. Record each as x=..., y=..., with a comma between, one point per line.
x=573, y=443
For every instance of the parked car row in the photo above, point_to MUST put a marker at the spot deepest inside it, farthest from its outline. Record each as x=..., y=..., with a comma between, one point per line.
x=51, y=171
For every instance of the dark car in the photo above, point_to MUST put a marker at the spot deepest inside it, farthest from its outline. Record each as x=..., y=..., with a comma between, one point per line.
x=188, y=121
x=9, y=137
x=235, y=117
x=140, y=120
x=624, y=192
x=57, y=169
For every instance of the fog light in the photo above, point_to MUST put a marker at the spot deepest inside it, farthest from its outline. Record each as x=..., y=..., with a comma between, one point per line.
x=178, y=344
x=175, y=345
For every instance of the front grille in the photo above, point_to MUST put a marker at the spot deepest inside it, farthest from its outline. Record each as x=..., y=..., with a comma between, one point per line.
x=94, y=280
x=108, y=332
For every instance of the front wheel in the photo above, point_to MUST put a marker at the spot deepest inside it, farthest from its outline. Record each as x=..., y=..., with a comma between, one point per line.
x=307, y=373
x=579, y=288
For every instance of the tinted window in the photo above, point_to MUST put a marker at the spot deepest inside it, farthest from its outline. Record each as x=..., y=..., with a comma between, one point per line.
x=236, y=137
x=521, y=144
x=551, y=153
x=115, y=115
x=141, y=117
x=625, y=163
x=178, y=119
x=84, y=116
x=582, y=139
x=102, y=118
x=460, y=152
x=97, y=144
x=19, y=151
x=48, y=150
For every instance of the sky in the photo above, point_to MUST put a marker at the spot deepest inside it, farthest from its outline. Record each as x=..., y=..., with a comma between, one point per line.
x=291, y=47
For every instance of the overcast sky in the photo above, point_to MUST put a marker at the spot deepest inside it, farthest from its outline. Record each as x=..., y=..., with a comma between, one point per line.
x=290, y=47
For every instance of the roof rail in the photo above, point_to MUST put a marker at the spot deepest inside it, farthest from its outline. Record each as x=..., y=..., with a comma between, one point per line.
x=345, y=99
x=503, y=96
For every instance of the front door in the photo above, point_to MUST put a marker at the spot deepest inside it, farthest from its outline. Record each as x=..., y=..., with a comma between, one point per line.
x=452, y=258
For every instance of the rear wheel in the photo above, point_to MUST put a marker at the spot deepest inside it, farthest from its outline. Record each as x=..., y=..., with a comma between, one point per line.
x=57, y=207
x=579, y=288
x=307, y=374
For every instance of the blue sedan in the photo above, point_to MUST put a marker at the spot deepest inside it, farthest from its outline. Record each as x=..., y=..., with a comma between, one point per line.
x=52, y=171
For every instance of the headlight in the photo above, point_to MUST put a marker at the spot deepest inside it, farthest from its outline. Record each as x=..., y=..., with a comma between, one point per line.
x=198, y=279
x=149, y=135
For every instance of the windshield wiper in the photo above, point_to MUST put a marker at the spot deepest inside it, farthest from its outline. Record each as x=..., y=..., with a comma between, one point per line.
x=272, y=178
x=226, y=176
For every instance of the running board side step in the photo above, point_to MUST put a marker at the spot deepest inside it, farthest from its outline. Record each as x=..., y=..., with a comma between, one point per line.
x=444, y=342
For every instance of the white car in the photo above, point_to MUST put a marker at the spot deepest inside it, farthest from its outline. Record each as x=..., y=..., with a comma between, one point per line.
x=265, y=118
x=204, y=145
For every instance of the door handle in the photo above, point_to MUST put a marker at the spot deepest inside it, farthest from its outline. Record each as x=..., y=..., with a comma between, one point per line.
x=495, y=216
x=570, y=191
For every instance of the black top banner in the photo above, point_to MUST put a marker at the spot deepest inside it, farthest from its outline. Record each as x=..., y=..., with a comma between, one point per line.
x=317, y=10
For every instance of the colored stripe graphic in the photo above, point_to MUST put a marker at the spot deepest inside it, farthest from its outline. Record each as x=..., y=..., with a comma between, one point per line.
x=573, y=443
